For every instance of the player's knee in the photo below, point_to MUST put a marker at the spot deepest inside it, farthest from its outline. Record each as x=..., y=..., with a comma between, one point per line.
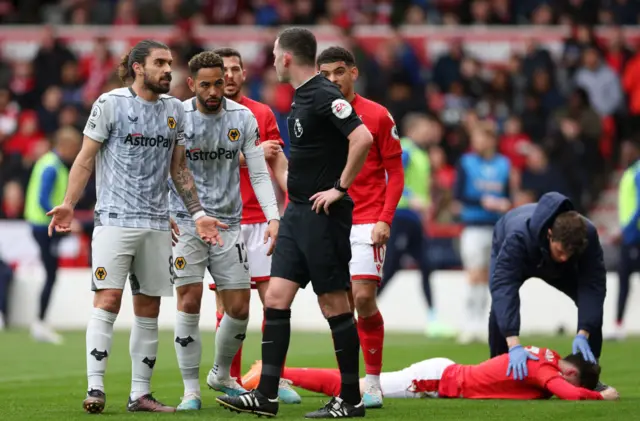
x=146, y=306
x=334, y=304
x=189, y=304
x=236, y=303
x=364, y=298
x=239, y=311
x=108, y=300
x=189, y=298
x=365, y=305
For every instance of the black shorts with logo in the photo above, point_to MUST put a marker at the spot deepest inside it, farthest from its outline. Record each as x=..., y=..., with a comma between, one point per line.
x=315, y=247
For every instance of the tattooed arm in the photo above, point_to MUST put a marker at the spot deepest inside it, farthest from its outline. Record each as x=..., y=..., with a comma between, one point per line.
x=183, y=180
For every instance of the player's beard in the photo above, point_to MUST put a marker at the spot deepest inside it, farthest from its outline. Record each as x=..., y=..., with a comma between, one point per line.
x=234, y=91
x=209, y=108
x=157, y=87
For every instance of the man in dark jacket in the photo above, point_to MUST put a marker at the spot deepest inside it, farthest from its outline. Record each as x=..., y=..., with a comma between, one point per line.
x=551, y=241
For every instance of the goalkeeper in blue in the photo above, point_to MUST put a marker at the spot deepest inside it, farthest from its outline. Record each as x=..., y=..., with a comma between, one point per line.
x=551, y=241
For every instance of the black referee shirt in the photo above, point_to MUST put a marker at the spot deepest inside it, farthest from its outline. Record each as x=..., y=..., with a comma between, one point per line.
x=319, y=123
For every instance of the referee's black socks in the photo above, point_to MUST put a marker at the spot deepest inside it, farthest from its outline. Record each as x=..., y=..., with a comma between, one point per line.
x=275, y=343
x=347, y=346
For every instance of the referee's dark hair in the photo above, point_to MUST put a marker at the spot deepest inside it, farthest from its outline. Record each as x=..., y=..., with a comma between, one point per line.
x=138, y=54
x=229, y=52
x=301, y=43
x=205, y=60
x=335, y=54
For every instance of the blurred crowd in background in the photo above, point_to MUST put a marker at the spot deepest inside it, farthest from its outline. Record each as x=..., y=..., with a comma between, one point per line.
x=343, y=13
x=558, y=121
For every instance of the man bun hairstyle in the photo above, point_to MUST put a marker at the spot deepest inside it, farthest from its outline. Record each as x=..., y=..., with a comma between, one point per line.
x=570, y=230
x=138, y=54
x=336, y=54
x=301, y=43
x=227, y=52
x=588, y=372
x=205, y=60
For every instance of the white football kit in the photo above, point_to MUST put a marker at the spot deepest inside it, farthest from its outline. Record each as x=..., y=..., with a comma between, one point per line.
x=214, y=143
x=131, y=235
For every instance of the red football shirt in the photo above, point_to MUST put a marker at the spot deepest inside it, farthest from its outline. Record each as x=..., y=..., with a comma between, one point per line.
x=489, y=380
x=368, y=190
x=251, y=210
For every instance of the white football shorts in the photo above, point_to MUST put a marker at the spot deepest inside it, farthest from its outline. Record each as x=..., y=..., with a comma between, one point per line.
x=144, y=255
x=228, y=264
x=367, y=259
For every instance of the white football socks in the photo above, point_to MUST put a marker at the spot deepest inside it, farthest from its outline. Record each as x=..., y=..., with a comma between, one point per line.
x=372, y=380
x=188, y=350
x=228, y=340
x=143, y=347
x=99, y=338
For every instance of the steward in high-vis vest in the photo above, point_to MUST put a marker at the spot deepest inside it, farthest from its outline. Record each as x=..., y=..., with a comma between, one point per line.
x=629, y=220
x=46, y=189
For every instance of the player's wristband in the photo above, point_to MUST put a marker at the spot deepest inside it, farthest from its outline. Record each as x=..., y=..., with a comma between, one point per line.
x=198, y=215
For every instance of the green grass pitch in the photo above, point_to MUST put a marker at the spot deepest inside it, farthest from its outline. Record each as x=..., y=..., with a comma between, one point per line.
x=47, y=382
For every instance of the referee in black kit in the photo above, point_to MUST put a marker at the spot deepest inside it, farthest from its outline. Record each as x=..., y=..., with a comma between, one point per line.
x=329, y=145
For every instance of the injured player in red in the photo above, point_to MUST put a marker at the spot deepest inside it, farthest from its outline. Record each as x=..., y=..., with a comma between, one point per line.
x=570, y=378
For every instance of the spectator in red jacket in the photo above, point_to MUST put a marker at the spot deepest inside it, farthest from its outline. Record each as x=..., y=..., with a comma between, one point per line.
x=515, y=144
x=28, y=139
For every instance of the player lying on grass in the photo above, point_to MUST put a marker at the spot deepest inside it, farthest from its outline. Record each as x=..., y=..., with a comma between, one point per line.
x=569, y=378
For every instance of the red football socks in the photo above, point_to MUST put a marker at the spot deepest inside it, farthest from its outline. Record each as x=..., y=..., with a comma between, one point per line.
x=321, y=380
x=371, y=333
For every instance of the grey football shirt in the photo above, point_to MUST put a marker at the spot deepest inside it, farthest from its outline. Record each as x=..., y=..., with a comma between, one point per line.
x=213, y=146
x=132, y=166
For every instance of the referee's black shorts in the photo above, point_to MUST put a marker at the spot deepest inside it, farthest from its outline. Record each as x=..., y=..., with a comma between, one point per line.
x=315, y=247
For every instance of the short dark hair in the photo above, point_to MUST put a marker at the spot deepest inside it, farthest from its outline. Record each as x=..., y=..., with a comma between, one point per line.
x=205, y=60
x=570, y=230
x=588, y=372
x=229, y=52
x=335, y=54
x=138, y=54
x=301, y=43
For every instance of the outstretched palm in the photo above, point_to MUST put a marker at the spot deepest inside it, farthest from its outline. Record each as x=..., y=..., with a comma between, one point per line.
x=207, y=228
x=62, y=217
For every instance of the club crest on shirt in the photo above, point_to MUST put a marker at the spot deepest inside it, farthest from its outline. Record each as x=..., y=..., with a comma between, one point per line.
x=297, y=128
x=233, y=135
x=171, y=122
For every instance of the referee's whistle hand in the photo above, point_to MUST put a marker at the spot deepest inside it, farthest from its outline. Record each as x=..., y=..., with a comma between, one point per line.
x=322, y=200
x=207, y=228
